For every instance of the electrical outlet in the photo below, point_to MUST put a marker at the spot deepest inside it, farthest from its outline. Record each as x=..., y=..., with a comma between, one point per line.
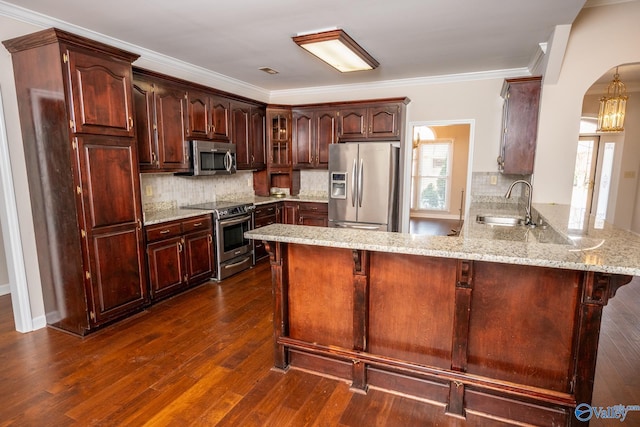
x=494, y=179
x=249, y=182
x=629, y=174
x=148, y=190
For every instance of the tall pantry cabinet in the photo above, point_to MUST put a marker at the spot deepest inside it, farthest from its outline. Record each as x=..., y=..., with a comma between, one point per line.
x=76, y=113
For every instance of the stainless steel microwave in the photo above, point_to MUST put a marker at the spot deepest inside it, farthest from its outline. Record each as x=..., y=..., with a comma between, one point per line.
x=211, y=158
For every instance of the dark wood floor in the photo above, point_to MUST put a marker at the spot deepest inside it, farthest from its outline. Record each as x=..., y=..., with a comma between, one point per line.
x=434, y=226
x=204, y=357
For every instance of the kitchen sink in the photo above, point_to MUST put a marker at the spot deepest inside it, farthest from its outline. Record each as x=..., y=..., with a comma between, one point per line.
x=504, y=221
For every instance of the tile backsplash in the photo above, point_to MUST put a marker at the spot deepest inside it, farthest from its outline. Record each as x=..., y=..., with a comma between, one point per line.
x=314, y=183
x=166, y=191
x=492, y=186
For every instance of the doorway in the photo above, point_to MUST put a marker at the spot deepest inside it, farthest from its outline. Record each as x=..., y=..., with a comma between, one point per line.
x=592, y=181
x=437, y=175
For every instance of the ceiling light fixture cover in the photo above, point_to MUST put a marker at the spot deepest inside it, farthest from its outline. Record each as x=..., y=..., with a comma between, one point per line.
x=337, y=49
x=613, y=106
x=268, y=70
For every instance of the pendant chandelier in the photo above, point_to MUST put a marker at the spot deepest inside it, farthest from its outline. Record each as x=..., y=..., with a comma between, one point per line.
x=613, y=106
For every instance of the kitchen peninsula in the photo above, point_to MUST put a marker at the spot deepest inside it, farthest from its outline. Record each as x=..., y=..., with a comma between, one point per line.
x=493, y=324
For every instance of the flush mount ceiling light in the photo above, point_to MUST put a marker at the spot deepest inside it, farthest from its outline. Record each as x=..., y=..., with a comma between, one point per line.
x=337, y=49
x=613, y=106
x=268, y=70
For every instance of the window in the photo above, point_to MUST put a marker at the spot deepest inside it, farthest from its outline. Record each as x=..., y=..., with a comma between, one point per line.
x=431, y=175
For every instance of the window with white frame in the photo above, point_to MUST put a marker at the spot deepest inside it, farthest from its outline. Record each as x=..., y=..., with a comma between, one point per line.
x=431, y=175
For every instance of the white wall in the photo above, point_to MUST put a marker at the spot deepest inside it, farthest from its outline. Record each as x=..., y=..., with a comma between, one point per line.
x=10, y=28
x=588, y=56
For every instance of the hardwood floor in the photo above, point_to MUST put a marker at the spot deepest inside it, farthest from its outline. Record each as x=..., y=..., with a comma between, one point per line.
x=204, y=358
x=434, y=226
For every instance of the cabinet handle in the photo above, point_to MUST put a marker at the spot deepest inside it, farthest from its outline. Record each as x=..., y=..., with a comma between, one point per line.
x=165, y=231
x=139, y=225
x=180, y=247
x=130, y=122
x=210, y=238
x=197, y=224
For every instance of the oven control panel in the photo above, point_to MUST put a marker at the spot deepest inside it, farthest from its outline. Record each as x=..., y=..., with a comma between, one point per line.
x=234, y=211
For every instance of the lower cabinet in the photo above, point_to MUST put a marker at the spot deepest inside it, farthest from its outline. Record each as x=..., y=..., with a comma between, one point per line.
x=180, y=255
x=270, y=213
x=306, y=213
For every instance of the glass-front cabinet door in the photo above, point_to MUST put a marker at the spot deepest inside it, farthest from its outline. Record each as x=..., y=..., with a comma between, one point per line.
x=280, y=137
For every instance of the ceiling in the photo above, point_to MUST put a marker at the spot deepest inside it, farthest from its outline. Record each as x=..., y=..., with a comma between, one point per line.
x=410, y=38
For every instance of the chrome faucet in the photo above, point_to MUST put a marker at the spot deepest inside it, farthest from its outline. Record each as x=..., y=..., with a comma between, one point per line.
x=527, y=218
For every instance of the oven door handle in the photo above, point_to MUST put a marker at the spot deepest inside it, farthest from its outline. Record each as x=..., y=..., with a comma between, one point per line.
x=235, y=264
x=234, y=221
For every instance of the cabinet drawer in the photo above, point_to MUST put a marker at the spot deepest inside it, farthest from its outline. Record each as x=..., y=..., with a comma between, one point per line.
x=163, y=231
x=265, y=210
x=311, y=207
x=197, y=224
x=265, y=220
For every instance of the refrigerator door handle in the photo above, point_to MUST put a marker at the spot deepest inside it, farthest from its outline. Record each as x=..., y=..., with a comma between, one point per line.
x=360, y=178
x=353, y=183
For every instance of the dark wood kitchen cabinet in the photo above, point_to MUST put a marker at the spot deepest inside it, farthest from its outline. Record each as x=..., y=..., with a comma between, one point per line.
x=370, y=121
x=76, y=114
x=305, y=213
x=160, y=110
x=207, y=116
x=279, y=139
x=266, y=214
x=220, y=118
x=519, y=125
x=199, y=123
x=248, y=133
x=314, y=129
x=180, y=255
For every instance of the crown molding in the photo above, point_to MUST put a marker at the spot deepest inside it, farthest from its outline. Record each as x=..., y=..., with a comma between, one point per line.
x=416, y=81
x=597, y=3
x=148, y=58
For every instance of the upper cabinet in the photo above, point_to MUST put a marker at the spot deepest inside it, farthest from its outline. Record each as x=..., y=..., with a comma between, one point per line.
x=248, y=133
x=160, y=109
x=199, y=124
x=519, y=125
x=279, y=139
x=314, y=129
x=170, y=112
x=381, y=120
x=88, y=70
x=220, y=108
x=207, y=116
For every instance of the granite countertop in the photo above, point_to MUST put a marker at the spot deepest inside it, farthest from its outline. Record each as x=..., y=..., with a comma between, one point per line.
x=261, y=200
x=157, y=217
x=595, y=246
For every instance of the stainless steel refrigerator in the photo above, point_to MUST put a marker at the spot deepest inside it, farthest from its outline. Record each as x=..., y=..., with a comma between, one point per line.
x=363, y=185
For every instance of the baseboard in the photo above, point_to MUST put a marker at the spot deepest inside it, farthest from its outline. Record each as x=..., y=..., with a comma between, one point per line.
x=39, y=322
x=5, y=289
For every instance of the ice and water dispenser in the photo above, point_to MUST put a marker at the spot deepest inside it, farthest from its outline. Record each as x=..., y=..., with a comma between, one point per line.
x=338, y=185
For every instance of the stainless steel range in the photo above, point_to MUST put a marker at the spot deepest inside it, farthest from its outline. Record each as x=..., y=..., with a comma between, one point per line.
x=234, y=252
